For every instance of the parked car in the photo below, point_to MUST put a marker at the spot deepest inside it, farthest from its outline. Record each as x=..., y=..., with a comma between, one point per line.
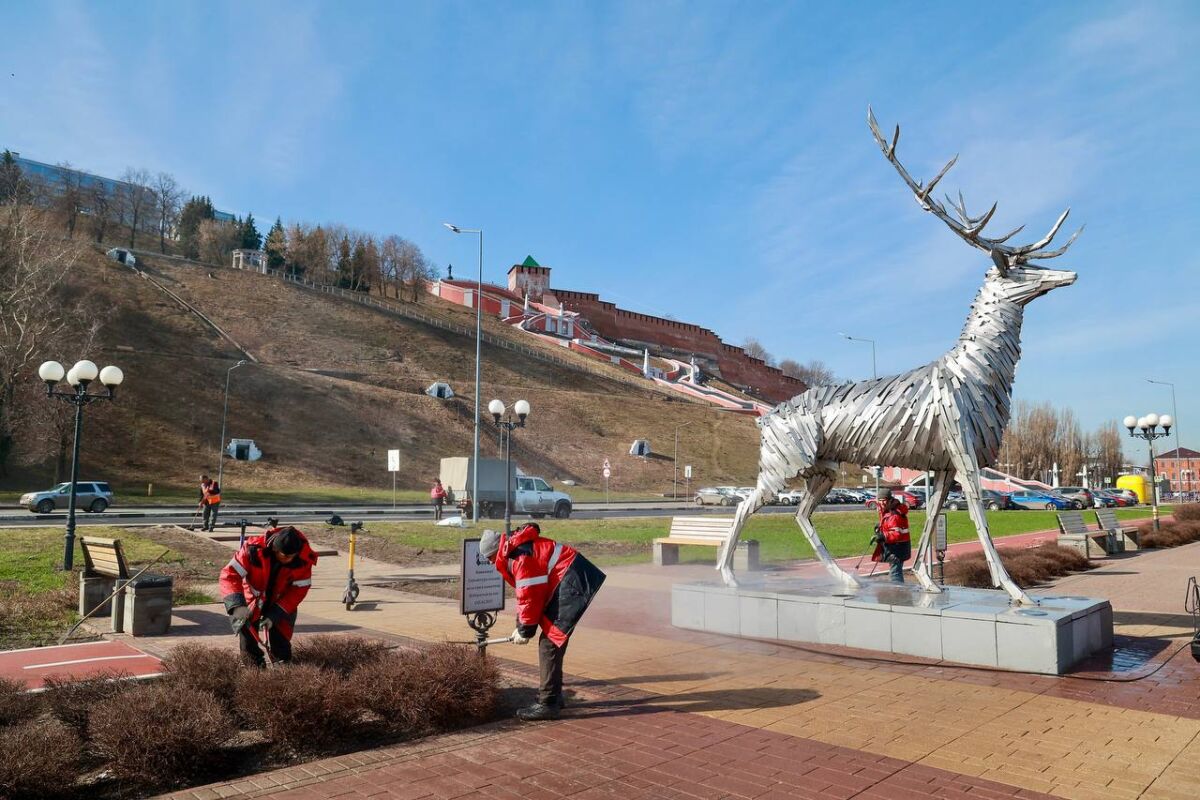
x=840, y=496
x=789, y=498
x=908, y=498
x=1051, y=501
x=992, y=501
x=855, y=495
x=89, y=495
x=1129, y=494
x=1117, y=499
x=1083, y=497
x=1104, y=500
x=718, y=496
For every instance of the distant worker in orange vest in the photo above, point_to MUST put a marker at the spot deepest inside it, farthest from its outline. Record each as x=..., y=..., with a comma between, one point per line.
x=210, y=502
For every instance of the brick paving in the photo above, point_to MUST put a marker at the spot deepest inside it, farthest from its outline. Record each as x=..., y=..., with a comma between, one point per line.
x=668, y=713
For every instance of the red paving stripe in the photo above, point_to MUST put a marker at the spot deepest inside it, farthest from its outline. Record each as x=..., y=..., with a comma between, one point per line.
x=662, y=754
x=33, y=665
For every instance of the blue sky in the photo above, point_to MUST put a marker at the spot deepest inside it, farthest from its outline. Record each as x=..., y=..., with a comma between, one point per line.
x=707, y=161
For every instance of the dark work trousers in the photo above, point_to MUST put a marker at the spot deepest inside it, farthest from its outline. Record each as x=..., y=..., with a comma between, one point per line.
x=210, y=517
x=550, y=661
x=252, y=651
x=437, y=509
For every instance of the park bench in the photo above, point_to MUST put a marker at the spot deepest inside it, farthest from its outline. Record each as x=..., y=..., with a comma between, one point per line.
x=1107, y=519
x=704, y=532
x=1092, y=543
x=141, y=607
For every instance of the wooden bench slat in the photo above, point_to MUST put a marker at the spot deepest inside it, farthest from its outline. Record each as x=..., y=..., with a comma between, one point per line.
x=104, y=556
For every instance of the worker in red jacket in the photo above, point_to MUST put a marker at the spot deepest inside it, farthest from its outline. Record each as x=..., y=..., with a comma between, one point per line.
x=554, y=585
x=262, y=587
x=892, y=542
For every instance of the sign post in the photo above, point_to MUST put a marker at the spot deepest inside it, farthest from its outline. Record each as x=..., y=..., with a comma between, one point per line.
x=940, y=546
x=687, y=481
x=480, y=593
x=393, y=467
x=607, y=475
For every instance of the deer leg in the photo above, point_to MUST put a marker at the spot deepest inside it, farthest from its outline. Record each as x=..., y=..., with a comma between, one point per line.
x=941, y=486
x=780, y=458
x=960, y=441
x=815, y=488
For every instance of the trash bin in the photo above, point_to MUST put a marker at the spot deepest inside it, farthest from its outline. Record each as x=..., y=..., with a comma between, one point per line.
x=146, y=606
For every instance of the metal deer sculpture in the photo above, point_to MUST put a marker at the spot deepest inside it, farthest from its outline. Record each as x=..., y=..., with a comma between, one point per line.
x=947, y=416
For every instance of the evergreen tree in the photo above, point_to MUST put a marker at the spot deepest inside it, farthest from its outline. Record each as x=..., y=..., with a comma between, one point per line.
x=194, y=212
x=12, y=183
x=344, y=266
x=276, y=246
x=251, y=238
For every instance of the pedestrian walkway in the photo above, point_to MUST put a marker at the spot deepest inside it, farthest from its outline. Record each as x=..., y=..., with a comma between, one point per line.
x=662, y=712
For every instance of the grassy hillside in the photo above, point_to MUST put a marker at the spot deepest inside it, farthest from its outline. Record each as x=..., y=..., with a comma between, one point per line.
x=337, y=384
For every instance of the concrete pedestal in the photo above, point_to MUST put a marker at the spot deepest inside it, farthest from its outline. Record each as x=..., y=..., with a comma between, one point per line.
x=143, y=607
x=92, y=591
x=968, y=626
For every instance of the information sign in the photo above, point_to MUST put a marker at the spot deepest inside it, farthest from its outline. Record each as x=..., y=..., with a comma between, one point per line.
x=393, y=460
x=940, y=534
x=481, y=587
x=687, y=472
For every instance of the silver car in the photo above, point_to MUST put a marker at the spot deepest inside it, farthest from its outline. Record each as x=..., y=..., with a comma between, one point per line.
x=720, y=496
x=89, y=496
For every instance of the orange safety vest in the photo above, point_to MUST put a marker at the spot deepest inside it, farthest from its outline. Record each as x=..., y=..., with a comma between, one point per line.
x=212, y=493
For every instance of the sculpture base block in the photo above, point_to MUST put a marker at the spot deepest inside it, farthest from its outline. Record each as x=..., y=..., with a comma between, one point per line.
x=968, y=626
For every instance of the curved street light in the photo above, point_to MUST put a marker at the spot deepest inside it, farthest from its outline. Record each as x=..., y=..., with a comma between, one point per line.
x=224, y=413
x=478, y=353
x=78, y=378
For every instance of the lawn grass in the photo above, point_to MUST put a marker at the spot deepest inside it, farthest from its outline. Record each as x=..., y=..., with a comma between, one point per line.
x=37, y=599
x=628, y=540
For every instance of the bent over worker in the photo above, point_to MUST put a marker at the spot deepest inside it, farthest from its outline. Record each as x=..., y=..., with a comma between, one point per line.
x=893, y=544
x=262, y=587
x=554, y=585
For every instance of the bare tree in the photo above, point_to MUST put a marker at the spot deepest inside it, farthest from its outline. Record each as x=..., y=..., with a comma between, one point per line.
x=68, y=197
x=135, y=200
x=217, y=240
x=33, y=264
x=814, y=373
x=100, y=208
x=755, y=349
x=1109, y=457
x=168, y=200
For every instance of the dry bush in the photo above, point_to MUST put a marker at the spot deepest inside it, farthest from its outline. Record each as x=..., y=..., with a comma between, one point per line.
x=159, y=735
x=207, y=669
x=1188, y=513
x=341, y=654
x=72, y=701
x=301, y=707
x=17, y=705
x=1026, y=567
x=969, y=570
x=439, y=688
x=38, y=758
x=34, y=619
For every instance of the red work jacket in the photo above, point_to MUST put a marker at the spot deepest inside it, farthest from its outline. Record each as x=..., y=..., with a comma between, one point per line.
x=438, y=492
x=894, y=524
x=535, y=567
x=247, y=581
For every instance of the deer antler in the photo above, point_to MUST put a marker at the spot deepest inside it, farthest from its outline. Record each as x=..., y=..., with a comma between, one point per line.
x=969, y=228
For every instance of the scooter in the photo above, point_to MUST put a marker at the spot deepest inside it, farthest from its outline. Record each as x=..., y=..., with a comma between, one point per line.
x=350, y=596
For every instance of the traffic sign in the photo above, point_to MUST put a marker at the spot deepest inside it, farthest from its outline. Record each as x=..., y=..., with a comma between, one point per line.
x=607, y=472
x=606, y=466
x=393, y=460
x=687, y=471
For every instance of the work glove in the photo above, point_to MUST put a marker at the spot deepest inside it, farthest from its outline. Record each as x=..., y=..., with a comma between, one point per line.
x=238, y=618
x=517, y=638
x=265, y=624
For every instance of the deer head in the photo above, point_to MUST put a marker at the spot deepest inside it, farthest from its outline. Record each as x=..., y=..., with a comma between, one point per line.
x=1013, y=275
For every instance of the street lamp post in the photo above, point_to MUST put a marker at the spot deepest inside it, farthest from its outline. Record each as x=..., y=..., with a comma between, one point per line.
x=478, y=351
x=675, y=463
x=79, y=376
x=1148, y=425
x=1178, y=449
x=498, y=412
x=224, y=413
x=874, y=375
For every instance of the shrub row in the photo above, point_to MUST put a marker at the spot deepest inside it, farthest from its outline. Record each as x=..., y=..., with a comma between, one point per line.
x=340, y=691
x=1026, y=567
x=1171, y=534
x=1187, y=513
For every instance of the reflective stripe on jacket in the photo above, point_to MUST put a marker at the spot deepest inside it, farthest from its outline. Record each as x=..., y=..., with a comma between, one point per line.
x=247, y=581
x=553, y=583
